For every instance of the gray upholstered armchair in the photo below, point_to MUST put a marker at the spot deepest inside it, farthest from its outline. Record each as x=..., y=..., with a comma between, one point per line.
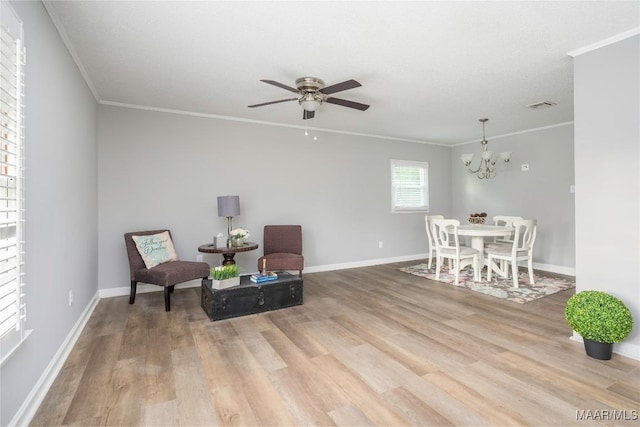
x=167, y=274
x=282, y=248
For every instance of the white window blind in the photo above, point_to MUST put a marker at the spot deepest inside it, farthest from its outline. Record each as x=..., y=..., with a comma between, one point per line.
x=12, y=292
x=409, y=186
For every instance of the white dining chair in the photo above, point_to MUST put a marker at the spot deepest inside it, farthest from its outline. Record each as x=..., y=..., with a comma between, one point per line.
x=445, y=236
x=503, y=241
x=520, y=250
x=432, y=245
x=504, y=221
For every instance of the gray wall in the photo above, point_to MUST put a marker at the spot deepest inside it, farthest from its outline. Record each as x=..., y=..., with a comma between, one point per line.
x=165, y=170
x=607, y=100
x=61, y=204
x=542, y=193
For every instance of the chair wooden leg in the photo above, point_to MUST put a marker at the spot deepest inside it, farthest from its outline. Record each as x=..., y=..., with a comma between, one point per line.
x=132, y=295
x=172, y=288
x=438, y=265
x=477, y=274
x=514, y=273
x=531, y=280
x=167, y=298
x=457, y=267
x=300, y=273
x=489, y=268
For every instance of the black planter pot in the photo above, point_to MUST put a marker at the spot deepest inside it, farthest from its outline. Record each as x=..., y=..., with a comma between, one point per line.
x=598, y=350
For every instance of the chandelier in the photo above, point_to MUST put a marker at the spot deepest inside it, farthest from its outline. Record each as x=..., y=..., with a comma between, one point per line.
x=487, y=167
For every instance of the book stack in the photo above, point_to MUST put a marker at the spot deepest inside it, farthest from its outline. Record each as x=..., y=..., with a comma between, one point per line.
x=261, y=278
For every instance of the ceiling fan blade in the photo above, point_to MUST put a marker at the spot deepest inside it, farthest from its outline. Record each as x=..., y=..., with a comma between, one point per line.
x=339, y=87
x=308, y=114
x=273, y=102
x=345, y=103
x=280, y=85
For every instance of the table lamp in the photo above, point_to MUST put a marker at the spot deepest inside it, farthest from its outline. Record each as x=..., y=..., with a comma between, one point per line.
x=228, y=206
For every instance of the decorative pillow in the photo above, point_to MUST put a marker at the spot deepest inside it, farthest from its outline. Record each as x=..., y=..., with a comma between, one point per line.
x=155, y=249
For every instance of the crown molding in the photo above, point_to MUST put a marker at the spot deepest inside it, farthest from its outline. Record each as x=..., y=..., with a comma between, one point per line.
x=65, y=39
x=605, y=42
x=520, y=132
x=263, y=122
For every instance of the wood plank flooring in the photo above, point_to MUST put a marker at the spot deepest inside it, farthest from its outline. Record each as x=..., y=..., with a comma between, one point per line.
x=370, y=346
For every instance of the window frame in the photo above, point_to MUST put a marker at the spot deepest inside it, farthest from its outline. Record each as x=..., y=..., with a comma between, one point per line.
x=424, y=167
x=12, y=216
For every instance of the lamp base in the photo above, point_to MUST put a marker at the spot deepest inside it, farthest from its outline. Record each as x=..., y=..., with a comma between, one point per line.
x=229, y=222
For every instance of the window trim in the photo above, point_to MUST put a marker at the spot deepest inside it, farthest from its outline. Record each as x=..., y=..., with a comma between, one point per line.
x=13, y=136
x=415, y=164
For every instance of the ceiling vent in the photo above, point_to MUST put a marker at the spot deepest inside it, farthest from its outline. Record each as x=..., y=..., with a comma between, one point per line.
x=541, y=105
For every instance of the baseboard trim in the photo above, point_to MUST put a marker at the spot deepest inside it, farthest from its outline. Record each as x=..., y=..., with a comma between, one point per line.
x=364, y=263
x=144, y=288
x=558, y=269
x=31, y=404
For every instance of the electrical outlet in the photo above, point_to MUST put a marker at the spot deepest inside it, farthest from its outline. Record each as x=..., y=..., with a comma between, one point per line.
x=380, y=244
x=70, y=298
x=199, y=258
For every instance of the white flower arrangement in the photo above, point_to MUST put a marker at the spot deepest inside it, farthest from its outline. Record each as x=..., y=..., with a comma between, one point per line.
x=240, y=233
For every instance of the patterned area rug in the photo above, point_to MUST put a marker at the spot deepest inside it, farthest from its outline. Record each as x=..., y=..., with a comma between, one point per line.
x=498, y=287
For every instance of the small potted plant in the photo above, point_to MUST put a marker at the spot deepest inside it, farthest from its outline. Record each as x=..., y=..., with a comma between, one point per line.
x=601, y=319
x=237, y=237
x=225, y=276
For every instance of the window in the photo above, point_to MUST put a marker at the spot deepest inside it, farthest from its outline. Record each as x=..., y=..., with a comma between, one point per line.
x=12, y=307
x=409, y=186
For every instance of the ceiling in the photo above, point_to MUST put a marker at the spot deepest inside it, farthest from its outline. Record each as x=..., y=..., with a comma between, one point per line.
x=429, y=69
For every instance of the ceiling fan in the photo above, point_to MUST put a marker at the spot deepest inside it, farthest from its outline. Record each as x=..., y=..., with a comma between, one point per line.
x=311, y=93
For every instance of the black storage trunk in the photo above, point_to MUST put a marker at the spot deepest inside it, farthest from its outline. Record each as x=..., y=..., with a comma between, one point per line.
x=249, y=297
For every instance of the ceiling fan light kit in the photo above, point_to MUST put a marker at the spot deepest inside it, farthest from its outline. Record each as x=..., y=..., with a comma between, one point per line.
x=487, y=167
x=310, y=102
x=312, y=94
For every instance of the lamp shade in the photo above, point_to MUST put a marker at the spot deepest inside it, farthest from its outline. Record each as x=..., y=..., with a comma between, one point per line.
x=466, y=158
x=506, y=156
x=228, y=206
x=311, y=105
x=309, y=102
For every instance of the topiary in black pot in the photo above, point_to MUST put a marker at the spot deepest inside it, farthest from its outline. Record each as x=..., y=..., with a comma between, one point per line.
x=601, y=319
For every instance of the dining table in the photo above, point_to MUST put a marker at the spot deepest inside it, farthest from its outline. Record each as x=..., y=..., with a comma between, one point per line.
x=478, y=232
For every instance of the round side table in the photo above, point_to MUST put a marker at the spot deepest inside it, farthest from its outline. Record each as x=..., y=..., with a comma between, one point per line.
x=227, y=252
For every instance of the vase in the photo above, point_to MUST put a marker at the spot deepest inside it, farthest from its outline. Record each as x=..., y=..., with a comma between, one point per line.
x=598, y=350
x=225, y=283
x=237, y=242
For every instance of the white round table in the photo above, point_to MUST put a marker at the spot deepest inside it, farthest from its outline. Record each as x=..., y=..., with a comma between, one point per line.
x=478, y=232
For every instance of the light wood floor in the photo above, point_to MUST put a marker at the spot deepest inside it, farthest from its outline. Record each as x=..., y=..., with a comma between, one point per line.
x=370, y=346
